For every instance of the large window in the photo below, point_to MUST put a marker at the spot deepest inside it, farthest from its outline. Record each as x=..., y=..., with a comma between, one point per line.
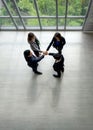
x=42, y=14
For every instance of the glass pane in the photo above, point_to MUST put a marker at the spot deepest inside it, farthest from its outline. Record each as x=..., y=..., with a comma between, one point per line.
x=11, y=7
x=74, y=23
x=61, y=23
x=61, y=7
x=19, y=24
x=26, y=7
x=3, y=11
x=6, y=22
x=31, y=22
x=46, y=7
x=48, y=22
x=77, y=7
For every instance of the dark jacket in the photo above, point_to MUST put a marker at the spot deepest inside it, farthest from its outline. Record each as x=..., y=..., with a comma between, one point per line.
x=58, y=46
x=59, y=61
x=32, y=61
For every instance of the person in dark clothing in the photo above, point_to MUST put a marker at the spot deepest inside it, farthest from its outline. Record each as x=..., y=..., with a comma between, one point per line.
x=58, y=65
x=32, y=61
x=57, y=42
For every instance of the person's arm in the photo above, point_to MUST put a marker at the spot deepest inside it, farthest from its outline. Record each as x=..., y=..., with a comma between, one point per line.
x=55, y=55
x=52, y=54
x=50, y=44
x=37, y=59
x=63, y=41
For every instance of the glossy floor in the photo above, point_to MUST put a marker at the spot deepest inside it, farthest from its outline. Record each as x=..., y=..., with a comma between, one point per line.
x=31, y=102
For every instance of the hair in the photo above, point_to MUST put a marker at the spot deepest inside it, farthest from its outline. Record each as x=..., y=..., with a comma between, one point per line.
x=58, y=35
x=26, y=54
x=30, y=36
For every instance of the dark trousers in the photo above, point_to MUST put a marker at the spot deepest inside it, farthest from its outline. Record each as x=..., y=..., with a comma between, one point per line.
x=58, y=68
x=60, y=51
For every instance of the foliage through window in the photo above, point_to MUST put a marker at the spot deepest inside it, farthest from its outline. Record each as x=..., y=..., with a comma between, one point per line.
x=43, y=13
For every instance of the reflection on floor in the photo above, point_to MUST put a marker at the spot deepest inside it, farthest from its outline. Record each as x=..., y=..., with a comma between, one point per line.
x=31, y=102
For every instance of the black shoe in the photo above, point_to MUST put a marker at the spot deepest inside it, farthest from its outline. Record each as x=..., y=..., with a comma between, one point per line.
x=56, y=76
x=37, y=72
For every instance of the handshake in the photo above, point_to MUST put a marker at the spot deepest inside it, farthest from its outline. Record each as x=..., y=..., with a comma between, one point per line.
x=45, y=52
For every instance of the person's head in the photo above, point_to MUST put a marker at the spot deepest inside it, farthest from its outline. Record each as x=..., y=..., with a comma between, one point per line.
x=57, y=36
x=27, y=54
x=31, y=36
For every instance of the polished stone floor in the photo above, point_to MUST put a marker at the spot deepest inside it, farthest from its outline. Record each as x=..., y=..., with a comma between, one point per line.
x=42, y=102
